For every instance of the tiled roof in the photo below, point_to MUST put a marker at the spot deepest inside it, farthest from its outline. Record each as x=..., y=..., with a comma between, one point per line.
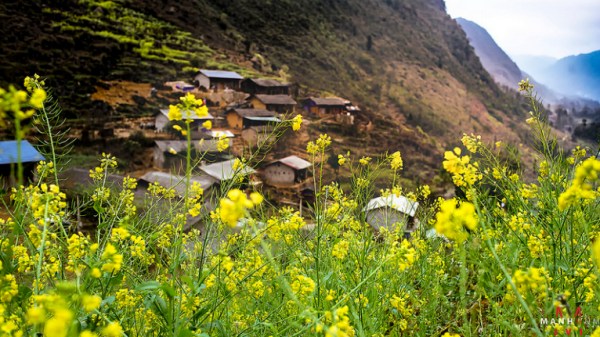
x=276, y=99
x=332, y=101
x=254, y=112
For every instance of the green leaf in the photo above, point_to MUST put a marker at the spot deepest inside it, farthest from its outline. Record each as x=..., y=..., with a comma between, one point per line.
x=148, y=286
x=168, y=289
x=185, y=332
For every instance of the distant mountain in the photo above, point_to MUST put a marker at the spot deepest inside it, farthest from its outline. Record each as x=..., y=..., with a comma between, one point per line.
x=492, y=57
x=507, y=73
x=533, y=64
x=575, y=75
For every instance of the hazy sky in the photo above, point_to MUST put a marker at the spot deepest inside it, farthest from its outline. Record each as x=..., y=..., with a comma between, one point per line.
x=555, y=28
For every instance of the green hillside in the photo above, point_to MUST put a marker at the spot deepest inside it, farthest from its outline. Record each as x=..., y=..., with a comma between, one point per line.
x=406, y=62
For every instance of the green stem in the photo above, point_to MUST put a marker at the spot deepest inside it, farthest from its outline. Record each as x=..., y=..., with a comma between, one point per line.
x=41, y=251
x=463, y=284
x=51, y=141
x=507, y=276
x=19, y=137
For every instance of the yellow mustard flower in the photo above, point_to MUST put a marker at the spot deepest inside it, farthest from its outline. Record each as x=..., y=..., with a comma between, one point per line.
x=396, y=161
x=36, y=315
x=37, y=98
x=303, y=285
x=232, y=208
x=112, y=260
x=112, y=330
x=581, y=186
x=452, y=221
x=95, y=273
x=91, y=302
x=222, y=143
x=174, y=113
x=596, y=251
x=364, y=161
x=296, y=122
x=59, y=324
x=472, y=142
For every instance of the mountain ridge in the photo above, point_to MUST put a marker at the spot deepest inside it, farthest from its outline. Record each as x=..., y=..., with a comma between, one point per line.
x=575, y=75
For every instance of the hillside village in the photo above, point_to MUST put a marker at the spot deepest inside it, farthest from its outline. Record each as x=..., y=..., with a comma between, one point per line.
x=250, y=114
x=246, y=116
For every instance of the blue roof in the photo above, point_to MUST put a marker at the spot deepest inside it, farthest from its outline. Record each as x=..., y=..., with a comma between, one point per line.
x=8, y=152
x=221, y=74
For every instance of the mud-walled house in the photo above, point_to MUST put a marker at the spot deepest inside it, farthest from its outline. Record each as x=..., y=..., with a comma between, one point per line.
x=282, y=104
x=286, y=171
x=265, y=86
x=322, y=107
x=171, y=154
x=257, y=136
x=227, y=170
x=390, y=212
x=241, y=118
x=217, y=80
x=161, y=121
x=175, y=182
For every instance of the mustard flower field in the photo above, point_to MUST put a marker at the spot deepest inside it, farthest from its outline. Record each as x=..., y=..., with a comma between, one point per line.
x=510, y=257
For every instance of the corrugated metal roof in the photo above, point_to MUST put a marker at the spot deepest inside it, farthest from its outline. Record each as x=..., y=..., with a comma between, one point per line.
x=224, y=170
x=203, y=145
x=263, y=119
x=221, y=74
x=329, y=101
x=267, y=82
x=218, y=133
x=188, y=114
x=176, y=182
x=399, y=203
x=295, y=162
x=253, y=112
x=75, y=177
x=262, y=128
x=8, y=152
x=276, y=99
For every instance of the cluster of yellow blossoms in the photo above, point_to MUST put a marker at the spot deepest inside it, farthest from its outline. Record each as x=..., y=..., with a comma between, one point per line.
x=532, y=282
x=46, y=201
x=14, y=101
x=233, y=208
x=189, y=103
x=464, y=174
x=396, y=161
x=319, y=145
x=296, y=122
x=452, y=221
x=581, y=187
x=100, y=172
x=340, y=326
